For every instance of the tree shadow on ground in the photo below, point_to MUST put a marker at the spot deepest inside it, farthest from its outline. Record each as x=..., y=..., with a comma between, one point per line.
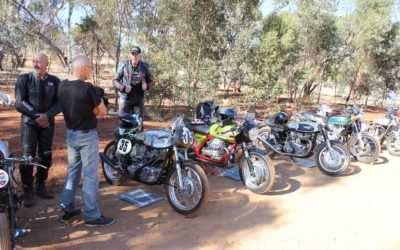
x=229, y=211
x=284, y=183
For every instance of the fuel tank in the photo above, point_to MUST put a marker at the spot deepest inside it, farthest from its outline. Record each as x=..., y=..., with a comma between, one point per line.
x=304, y=127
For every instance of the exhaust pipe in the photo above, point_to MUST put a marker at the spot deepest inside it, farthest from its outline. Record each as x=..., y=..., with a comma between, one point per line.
x=104, y=158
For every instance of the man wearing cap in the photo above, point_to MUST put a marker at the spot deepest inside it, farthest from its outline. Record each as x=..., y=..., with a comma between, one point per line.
x=132, y=80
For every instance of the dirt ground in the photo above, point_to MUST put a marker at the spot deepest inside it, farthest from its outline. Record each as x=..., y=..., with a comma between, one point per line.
x=304, y=210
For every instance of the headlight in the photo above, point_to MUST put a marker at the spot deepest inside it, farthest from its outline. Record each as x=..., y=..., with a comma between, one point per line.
x=253, y=134
x=3, y=178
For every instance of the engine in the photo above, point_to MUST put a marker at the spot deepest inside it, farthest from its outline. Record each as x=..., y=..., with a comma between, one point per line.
x=335, y=132
x=146, y=162
x=215, y=149
x=297, y=143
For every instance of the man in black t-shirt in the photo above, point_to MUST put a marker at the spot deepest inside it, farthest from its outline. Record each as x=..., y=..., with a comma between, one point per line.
x=36, y=100
x=80, y=104
x=132, y=80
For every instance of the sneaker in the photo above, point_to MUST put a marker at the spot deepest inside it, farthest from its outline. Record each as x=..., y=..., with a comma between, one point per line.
x=67, y=215
x=101, y=221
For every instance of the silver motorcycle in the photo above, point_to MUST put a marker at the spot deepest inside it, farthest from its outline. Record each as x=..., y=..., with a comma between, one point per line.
x=387, y=129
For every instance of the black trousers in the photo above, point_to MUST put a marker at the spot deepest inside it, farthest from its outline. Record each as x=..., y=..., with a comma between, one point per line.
x=36, y=138
x=129, y=107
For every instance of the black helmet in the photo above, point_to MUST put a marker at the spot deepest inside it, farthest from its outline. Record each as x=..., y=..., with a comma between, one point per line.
x=281, y=118
x=226, y=116
x=131, y=122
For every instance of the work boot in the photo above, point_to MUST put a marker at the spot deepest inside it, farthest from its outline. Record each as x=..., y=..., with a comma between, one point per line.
x=42, y=191
x=27, y=198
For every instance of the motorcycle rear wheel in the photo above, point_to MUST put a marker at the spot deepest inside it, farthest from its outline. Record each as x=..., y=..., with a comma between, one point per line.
x=324, y=160
x=193, y=198
x=263, y=177
x=111, y=175
x=265, y=133
x=393, y=144
x=5, y=231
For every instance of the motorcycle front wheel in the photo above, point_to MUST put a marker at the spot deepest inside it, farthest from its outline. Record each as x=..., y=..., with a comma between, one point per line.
x=393, y=143
x=192, y=198
x=332, y=164
x=370, y=150
x=262, y=179
x=112, y=176
x=5, y=232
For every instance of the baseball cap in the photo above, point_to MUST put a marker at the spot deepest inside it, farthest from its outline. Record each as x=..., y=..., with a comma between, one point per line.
x=136, y=49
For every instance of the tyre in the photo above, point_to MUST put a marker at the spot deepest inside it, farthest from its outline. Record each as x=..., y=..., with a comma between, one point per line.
x=371, y=151
x=265, y=133
x=263, y=177
x=112, y=176
x=192, y=199
x=393, y=143
x=332, y=165
x=378, y=132
x=5, y=232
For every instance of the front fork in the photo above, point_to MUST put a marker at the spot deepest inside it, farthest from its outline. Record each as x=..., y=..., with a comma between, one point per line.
x=357, y=126
x=328, y=142
x=247, y=157
x=178, y=166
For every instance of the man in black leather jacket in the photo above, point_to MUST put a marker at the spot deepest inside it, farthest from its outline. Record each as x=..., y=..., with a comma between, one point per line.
x=36, y=100
x=132, y=80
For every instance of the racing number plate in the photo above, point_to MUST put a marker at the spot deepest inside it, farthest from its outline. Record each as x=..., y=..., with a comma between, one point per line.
x=124, y=146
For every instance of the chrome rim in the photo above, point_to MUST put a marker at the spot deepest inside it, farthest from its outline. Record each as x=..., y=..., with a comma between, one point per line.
x=369, y=148
x=111, y=173
x=188, y=197
x=394, y=145
x=336, y=163
x=258, y=178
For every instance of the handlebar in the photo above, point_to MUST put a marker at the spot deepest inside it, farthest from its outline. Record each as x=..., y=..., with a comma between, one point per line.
x=30, y=161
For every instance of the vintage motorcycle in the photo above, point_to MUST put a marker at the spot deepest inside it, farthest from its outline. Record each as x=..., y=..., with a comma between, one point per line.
x=157, y=157
x=225, y=143
x=350, y=128
x=388, y=128
x=9, y=200
x=299, y=139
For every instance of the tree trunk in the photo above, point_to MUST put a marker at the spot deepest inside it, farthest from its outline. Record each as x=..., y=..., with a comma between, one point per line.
x=69, y=37
x=319, y=92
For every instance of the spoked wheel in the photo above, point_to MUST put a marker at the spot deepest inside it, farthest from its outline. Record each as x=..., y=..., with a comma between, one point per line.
x=192, y=198
x=112, y=176
x=366, y=151
x=266, y=135
x=5, y=232
x=336, y=163
x=262, y=179
x=393, y=143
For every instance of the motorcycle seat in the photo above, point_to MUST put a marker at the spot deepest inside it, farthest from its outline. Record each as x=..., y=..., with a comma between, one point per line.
x=201, y=128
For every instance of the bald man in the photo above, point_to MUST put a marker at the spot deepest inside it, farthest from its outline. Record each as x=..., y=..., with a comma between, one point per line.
x=36, y=100
x=80, y=105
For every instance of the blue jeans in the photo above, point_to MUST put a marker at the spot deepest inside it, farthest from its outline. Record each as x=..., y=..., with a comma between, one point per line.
x=83, y=155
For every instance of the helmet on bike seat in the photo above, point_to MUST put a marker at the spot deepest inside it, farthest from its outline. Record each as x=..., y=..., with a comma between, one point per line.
x=226, y=116
x=131, y=122
x=281, y=118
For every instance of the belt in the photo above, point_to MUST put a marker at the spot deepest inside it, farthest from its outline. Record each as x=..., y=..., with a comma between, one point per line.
x=84, y=130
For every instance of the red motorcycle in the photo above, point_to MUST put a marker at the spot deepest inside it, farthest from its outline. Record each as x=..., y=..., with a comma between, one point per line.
x=226, y=143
